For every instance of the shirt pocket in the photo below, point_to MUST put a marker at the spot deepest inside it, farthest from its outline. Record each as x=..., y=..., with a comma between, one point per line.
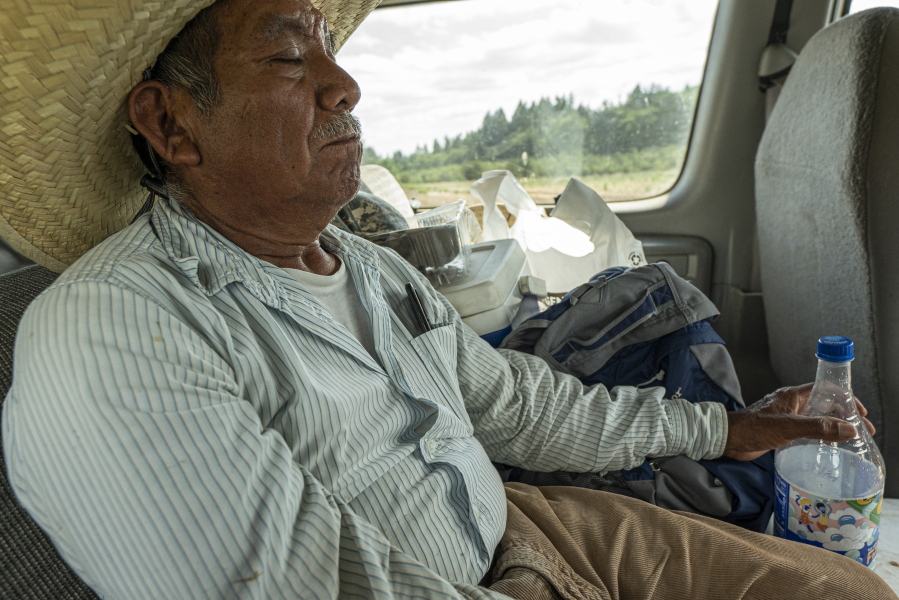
x=438, y=345
x=436, y=349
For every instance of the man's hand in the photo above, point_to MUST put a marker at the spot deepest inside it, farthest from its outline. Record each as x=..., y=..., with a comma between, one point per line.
x=772, y=422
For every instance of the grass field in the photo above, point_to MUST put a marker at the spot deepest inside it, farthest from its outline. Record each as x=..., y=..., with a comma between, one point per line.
x=614, y=187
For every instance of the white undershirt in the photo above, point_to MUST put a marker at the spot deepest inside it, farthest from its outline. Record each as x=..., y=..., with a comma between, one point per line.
x=339, y=296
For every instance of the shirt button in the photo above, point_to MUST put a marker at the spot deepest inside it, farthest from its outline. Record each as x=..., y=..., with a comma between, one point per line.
x=432, y=446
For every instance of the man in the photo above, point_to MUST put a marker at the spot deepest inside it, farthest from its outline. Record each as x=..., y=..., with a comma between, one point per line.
x=230, y=399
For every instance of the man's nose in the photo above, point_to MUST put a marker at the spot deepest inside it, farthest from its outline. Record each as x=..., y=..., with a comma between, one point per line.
x=336, y=89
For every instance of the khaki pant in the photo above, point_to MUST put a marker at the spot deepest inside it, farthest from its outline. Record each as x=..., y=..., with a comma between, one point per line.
x=573, y=543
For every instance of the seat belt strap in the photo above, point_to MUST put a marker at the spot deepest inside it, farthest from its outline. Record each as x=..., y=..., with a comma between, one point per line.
x=777, y=57
x=780, y=25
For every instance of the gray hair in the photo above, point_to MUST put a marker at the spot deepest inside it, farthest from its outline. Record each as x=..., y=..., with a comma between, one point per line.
x=342, y=124
x=188, y=61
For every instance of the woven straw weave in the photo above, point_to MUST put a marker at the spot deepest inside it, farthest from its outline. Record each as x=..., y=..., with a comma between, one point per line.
x=68, y=174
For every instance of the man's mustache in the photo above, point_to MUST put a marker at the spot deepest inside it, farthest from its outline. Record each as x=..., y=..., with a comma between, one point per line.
x=344, y=125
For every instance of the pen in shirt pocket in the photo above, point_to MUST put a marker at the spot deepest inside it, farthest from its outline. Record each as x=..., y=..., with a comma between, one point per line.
x=418, y=309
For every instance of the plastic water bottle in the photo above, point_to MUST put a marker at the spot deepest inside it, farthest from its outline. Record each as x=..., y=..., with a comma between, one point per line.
x=829, y=494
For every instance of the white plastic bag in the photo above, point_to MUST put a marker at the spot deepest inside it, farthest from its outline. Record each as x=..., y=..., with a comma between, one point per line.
x=581, y=238
x=581, y=207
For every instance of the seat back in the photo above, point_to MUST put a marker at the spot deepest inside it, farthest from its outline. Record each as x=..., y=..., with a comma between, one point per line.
x=30, y=567
x=827, y=194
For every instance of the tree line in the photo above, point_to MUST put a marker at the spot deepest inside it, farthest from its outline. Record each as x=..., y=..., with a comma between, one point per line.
x=646, y=131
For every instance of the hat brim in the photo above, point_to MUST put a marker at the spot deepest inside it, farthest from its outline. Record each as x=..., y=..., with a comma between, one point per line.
x=69, y=176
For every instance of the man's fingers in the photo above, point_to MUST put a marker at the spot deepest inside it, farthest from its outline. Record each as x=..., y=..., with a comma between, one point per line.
x=796, y=397
x=871, y=429
x=861, y=407
x=829, y=429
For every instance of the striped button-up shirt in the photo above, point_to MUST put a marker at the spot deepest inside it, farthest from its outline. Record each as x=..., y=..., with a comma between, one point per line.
x=188, y=421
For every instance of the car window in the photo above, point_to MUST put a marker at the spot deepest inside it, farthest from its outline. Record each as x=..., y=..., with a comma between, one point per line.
x=860, y=5
x=599, y=89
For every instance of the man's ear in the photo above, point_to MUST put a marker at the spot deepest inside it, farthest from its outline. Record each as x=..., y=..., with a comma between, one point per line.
x=158, y=115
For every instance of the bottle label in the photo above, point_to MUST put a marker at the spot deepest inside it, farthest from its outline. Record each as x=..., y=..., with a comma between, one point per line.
x=848, y=527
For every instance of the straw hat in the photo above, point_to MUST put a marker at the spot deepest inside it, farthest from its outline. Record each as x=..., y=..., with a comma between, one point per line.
x=69, y=176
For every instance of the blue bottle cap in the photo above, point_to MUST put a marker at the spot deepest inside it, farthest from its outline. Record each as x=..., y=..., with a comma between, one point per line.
x=835, y=348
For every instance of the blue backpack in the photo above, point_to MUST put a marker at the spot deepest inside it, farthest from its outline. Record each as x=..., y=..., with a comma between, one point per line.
x=646, y=326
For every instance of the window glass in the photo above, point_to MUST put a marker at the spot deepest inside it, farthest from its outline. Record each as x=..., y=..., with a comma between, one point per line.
x=860, y=5
x=604, y=90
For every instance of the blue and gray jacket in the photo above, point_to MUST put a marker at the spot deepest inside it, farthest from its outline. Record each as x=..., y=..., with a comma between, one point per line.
x=646, y=326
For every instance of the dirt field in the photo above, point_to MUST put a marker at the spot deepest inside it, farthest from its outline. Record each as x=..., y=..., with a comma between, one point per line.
x=612, y=188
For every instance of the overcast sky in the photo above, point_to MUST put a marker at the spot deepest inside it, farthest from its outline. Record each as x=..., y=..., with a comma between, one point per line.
x=433, y=70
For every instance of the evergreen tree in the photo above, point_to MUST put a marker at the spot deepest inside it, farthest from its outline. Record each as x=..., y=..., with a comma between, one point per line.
x=560, y=138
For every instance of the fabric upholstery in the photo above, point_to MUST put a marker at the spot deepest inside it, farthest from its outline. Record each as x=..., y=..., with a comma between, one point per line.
x=827, y=189
x=30, y=567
